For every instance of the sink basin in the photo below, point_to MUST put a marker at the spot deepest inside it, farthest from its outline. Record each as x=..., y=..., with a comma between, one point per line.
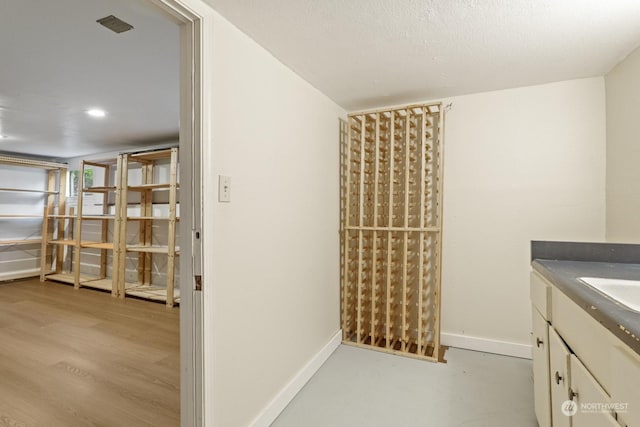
x=626, y=292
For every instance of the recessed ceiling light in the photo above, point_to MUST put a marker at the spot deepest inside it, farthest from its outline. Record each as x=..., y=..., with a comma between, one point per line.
x=96, y=112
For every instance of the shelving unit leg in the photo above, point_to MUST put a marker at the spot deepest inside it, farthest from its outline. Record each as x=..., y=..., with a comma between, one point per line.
x=171, y=241
x=46, y=252
x=121, y=223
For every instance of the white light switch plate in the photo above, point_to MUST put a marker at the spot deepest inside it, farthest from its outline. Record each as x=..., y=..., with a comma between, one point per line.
x=224, y=188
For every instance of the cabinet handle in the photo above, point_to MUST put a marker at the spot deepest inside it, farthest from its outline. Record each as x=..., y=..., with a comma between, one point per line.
x=558, y=378
x=539, y=342
x=572, y=394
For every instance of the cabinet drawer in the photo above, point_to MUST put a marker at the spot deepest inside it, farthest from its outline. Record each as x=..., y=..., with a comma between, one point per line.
x=541, y=295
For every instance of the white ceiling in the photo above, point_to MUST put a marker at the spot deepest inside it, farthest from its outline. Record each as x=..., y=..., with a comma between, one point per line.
x=57, y=62
x=370, y=53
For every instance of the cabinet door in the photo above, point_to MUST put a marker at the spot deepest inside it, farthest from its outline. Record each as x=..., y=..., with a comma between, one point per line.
x=626, y=384
x=559, y=378
x=541, y=390
x=588, y=394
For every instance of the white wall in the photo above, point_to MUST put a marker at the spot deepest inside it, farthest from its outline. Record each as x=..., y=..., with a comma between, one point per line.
x=275, y=301
x=520, y=164
x=623, y=150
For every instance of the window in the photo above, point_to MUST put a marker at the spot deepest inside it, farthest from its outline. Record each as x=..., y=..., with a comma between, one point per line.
x=73, y=181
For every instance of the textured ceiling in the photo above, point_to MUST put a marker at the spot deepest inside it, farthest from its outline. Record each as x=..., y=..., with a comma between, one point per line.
x=369, y=53
x=57, y=62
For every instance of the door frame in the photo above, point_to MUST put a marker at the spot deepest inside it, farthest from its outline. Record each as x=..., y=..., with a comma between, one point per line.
x=195, y=19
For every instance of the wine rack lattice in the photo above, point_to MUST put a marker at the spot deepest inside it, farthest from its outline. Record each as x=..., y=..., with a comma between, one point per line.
x=391, y=229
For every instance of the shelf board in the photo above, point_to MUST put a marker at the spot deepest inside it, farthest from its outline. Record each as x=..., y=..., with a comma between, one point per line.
x=151, y=249
x=62, y=277
x=21, y=190
x=146, y=218
x=98, y=217
x=62, y=216
x=97, y=245
x=151, y=155
x=98, y=189
x=151, y=292
x=85, y=280
x=101, y=163
x=17, y=161
x=20, y=216
x=63, y=242
x=20, y=242
x=143, y=187
x=105, y=284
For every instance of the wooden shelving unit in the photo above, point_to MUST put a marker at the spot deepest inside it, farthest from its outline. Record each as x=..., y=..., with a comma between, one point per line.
x=52, y=197
x=391, y=230
x=66, y=234
x=54, y=170
x=146, y=247
x=58, y=241
x=103, y=245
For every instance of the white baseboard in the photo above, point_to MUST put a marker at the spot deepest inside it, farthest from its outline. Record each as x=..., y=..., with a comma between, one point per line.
x=282, y=399
x=22, y=274
x=486, y=345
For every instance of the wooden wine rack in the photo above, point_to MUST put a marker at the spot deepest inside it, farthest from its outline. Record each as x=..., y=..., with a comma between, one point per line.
x=391, y=229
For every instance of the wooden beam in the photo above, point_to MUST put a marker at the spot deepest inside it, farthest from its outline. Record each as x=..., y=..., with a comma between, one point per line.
x=360, y=234
x=173, y=179
x=399, y=109
x=47, y=227
x=427, y=229
x=407, y=190
x=62, y=209
x=423, y=167
x=374, y=258
x=78, y=232
x=104, y=224
x=392, y=142
x=438, y=138
x=17, y=161
x=347, y=213
x=121, y=221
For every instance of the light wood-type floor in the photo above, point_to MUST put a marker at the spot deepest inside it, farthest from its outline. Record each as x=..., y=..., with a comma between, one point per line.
x=83, y=358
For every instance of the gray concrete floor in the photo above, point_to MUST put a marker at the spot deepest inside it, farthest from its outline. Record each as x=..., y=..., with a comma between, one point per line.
x=358, y=387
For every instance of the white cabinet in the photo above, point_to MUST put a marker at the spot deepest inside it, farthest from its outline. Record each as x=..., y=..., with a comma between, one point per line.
x=560, y=378
x=541, y=378
x=576, y=358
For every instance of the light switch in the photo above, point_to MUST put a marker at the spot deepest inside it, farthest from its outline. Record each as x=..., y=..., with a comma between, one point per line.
x=224, y=188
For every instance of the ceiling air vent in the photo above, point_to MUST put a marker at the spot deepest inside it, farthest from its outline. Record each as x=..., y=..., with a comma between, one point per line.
x=116, y=25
